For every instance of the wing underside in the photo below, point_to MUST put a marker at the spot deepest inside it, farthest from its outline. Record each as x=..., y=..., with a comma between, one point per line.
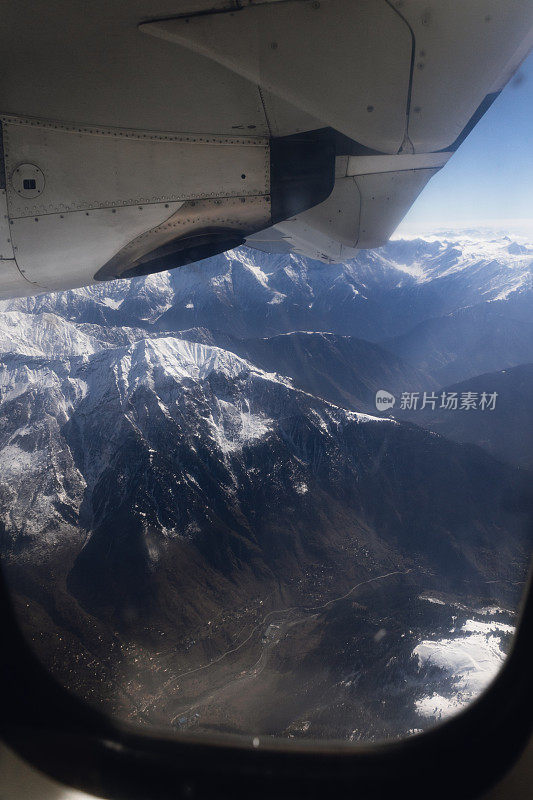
x=151, y=134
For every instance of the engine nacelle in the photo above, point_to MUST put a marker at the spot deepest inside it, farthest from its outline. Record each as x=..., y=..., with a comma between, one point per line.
x=90, y=203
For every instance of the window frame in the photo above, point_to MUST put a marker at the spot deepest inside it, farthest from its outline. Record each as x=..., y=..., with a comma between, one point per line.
x=81, y=747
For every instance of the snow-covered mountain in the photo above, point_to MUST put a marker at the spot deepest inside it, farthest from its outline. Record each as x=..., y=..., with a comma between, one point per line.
x=191, y=455
x=380, y=294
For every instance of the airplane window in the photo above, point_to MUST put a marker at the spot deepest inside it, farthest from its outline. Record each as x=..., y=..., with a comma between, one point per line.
x=277, y=494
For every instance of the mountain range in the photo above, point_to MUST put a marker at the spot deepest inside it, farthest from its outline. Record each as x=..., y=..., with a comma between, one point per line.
x=202, y=510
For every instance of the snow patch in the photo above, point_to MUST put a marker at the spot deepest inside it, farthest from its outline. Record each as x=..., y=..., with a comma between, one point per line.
x=434, y=600
x=437, y=706
x=14, y=461
x=237, y=427
x=471, y=659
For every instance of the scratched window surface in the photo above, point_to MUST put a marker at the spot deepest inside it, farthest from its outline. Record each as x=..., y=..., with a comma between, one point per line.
x=266, y=496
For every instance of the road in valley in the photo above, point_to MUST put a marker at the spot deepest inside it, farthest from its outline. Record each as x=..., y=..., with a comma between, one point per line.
x=274, y=624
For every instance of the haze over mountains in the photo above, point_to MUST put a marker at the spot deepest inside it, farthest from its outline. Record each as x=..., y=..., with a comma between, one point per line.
x=202, y=510
x=506, y=432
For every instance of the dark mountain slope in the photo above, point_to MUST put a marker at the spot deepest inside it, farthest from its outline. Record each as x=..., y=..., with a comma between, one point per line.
x=344, y=370
x=507, y=431
x=479, y=339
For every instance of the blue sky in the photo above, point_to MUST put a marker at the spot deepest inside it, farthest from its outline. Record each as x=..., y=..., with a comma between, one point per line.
x=489, y=180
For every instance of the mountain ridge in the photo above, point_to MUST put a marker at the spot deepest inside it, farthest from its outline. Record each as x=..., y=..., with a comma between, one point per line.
x=202, y=507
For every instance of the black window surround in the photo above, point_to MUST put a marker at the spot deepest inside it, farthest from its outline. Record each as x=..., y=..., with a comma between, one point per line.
x=81, y=747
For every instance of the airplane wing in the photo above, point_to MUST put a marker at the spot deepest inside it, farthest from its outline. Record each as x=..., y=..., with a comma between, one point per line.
x=192, y=126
